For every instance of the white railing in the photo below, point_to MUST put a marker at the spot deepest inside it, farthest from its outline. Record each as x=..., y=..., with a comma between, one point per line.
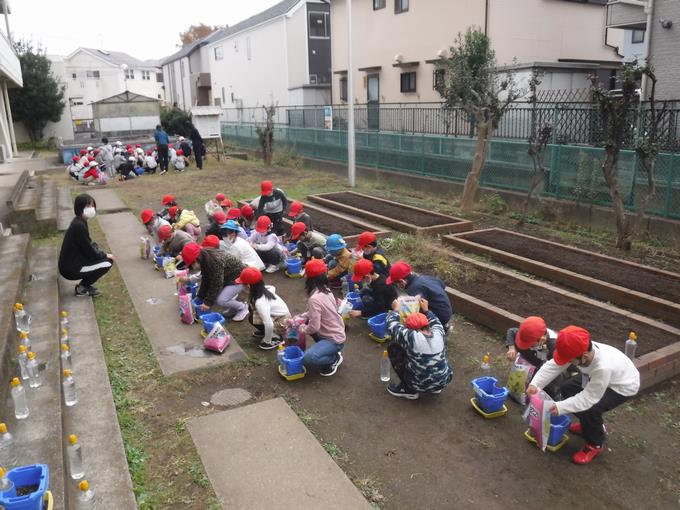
x=9, y=61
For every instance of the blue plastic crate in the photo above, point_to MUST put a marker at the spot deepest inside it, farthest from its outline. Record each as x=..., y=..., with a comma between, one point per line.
x=490, y=396
x=378, y=325
x=26, y=476
x=209, y=319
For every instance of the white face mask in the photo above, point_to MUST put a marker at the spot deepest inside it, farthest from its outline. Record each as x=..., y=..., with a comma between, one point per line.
x=89, y=212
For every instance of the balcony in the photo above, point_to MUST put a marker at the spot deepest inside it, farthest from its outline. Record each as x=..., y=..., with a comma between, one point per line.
x=204, y=80
x=10, y=68
x=621, y=14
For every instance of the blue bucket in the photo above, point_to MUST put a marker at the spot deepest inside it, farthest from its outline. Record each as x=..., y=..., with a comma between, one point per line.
x=193, y=288
x=291, y=246
x=378, y=325
x=156, y=250
x=558, y=427
x=26, y=476
x=354, y=299
x=292, y=358
x=197, y=311
x=209, y=319
x=490, y=396
x=293, y=265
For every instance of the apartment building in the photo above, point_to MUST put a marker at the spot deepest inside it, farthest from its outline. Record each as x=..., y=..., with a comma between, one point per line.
x=10, y=76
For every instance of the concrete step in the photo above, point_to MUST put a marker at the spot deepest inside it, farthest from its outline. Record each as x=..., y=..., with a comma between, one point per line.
x=46, y=212
x=38, y=437
x=35, y=210
x=261, y=456
x=108, y=201
x=93, y=419
x=64, y=208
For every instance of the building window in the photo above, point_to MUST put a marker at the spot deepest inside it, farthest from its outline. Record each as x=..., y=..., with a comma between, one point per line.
x=146, y=75
x=159, y=77
x=408, y=82
x=74, y=76
x=218, y=101
x=219, y=52
x=400, y=6
x=343, y=88
x=93, y=75
x=319, y=25
x=236, y=45
x=438, y=79
x=76, y=101
x=129, y=74
x=223, y=97
x=638, y=36
x=378, y=4
x=249, y=53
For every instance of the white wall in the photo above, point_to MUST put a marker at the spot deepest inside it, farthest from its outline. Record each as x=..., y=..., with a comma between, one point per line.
x=633, y=51
x=296, y=44
x=128, y=123
x=178, y=83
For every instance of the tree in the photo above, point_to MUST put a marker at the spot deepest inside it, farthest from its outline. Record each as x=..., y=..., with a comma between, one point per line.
x=617, y=112
x=266, y=135
x=472, y=82
x=41, y=99
x=196, y=32
x=176, y=121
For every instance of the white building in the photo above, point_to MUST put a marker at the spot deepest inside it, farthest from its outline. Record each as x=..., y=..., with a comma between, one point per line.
x=279, y=56
x=90, y=75
x=10, y=76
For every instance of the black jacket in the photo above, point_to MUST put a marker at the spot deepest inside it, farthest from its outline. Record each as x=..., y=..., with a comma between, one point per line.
x=276, y=203
x=78, y=250
x=218, y=269
x=377, y=297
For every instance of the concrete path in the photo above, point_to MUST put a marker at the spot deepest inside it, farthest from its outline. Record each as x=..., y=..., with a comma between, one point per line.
x=262, y=456
x=10, y=172
x=178, y=347
x=93, y=419
x=107, y=200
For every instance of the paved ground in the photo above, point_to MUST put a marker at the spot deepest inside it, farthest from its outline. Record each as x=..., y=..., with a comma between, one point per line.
x=107, y=200
x=261, y=457
x=9, y=174
x=156, y=303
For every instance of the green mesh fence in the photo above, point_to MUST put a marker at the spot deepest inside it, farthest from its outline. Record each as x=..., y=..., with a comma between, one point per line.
x=574, y=172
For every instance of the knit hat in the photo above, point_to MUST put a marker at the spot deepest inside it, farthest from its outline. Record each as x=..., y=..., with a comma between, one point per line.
x=314, y=268
x=263, y=224
x=168, y=198
x=190, y=253
x=233, y=213
x=530, y=331
x=249, y=276
x=219, y=216
x=147, y=216
x=296, y=230
x=416, y=321
x=295, y=209
x=164, y=232
x=399, y=271
x=211, y=241
x=366, y=238
x=266, y=187
x=572, y=342
x=247, y=212
x=362, y=268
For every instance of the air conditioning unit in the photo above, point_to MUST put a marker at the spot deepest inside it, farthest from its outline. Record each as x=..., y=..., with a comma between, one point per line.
x=313, y=79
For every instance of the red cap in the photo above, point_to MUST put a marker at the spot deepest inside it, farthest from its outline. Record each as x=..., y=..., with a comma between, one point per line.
x=226, y=203
x=172, y=211
x=362, y=268
x=416, y=321
x=220, y=196
x=180, y=152
x=266, y=187
x=147, y=215
x=171, y=146
x=572, y=342
x=83, y=152
x=247, y=212
x=295, y=209
x=296, y=230
x=249, y=276
x=128, y=147
x=164, y=232
x=399, y=271
x=233, y=213
x=90, y=158
x=138, y=145
x=95, y=152
x=190, y=253
x=366, y=238
x=149, y=152
x=211, y=241
x=220, y=217
x=75, y=159
x=263, y=224
x=168, y=198
x=314, y=268
x=530, y=331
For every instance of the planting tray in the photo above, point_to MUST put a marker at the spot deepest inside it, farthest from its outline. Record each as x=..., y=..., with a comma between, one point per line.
x=489, y=416
x=644, y=289
x=401, y=217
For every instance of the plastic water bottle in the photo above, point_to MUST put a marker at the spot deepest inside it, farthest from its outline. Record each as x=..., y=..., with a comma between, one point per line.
x=279, y=358
x=63, y=319
x=25, y=340
x=345, y=287
x=8, y=453
x=22, y=358
x=86, y=498
x=75, y=458
x=66, y=357
x=69, y=385
x=22, y=318
x=631, y=345
x=5, y=483
x=385, y=367
x=35, y=375
x=486, y=365
x=21, y=410
x=64, y=337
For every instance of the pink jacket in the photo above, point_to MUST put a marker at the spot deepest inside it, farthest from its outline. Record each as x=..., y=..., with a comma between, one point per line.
x=323, y=318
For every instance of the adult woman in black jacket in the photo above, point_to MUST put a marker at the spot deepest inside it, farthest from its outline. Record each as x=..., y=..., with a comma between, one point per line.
x=80, y=258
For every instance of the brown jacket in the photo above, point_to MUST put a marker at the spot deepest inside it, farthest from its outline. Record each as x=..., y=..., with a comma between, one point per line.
x=344, y=259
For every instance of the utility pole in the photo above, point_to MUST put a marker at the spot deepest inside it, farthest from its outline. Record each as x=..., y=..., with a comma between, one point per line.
x=351, y=153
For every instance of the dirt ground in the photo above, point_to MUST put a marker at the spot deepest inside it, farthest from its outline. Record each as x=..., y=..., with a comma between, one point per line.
x=434, y=453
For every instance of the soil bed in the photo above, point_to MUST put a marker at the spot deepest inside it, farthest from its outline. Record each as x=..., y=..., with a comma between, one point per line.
x=327, y=224
x=648, y=282
x=378, y=206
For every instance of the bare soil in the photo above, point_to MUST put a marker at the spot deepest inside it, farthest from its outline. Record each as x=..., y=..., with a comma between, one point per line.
x=383, y=208
x=610, y=271
x=327, y=224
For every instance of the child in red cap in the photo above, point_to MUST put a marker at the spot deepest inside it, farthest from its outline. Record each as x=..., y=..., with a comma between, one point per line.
x=376, y=296
x=368, y=244
x=266, y=244
x=272, y=203
x=417, y=353
x=297, y=214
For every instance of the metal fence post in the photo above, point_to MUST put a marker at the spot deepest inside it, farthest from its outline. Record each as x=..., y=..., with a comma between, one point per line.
x=669, y=187
x=633, y=184
x=422, y=154
x=316, y=143
x=555, y=170
x=377, y=150
x=555, y=120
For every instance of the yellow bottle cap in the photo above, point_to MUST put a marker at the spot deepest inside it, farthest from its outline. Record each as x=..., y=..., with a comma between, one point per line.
x=67, y=373
x=22, y=349
x=64, y=347
x=3, y=428
x=64, y=332
x=84, y=485
x=15, y=381
x=23, y=334
x=64, y=313
x=31, y=355
x=73, y=439
x=2, y=472
x=384, y=354
x=18, y=306
x=632, y=335
x=486, y=358
x=281, y=346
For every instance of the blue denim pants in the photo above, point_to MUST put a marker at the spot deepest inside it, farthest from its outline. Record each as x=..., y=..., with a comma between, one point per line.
x=322, y=353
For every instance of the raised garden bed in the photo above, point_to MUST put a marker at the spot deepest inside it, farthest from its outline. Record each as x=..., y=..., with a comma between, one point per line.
x=651, y=291
x=402, y=217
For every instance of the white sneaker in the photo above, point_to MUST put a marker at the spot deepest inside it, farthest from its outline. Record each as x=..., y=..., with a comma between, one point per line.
x=271, y=269
x=240, y=316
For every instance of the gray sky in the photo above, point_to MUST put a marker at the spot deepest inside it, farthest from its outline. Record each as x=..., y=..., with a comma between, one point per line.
x=143, y=28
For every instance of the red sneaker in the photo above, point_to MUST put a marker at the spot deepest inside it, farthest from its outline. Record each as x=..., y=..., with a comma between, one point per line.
x=575, y=428
x=586, y=456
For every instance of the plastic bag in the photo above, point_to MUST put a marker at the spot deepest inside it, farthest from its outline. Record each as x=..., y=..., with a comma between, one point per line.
x=344, y=308
x=144, y=247
x=538, y=415
x=519, y=377
x=407, y=306
x=186, y=306
x=169, y=267
x=211, y=207
x=293, y=334
x=218, y=339
x=180, y=273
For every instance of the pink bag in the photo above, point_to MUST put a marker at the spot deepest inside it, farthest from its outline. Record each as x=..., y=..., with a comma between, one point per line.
x=538, y=414
x=218, y=339
x=186, y=306
x=519, y=378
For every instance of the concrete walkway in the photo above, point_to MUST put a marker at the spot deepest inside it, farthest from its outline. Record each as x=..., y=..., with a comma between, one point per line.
x=262, y=456
x=178, y=347
x=107, y=200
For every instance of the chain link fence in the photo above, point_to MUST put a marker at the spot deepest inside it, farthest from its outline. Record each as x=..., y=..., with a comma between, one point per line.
x=573, y=172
